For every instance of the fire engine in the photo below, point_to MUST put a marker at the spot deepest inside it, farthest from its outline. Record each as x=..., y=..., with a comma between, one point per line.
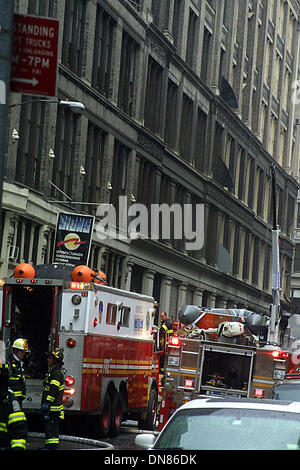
x=111, y=368
x=217, y=352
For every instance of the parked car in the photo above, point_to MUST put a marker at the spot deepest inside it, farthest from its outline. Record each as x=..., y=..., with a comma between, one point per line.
x=235, y=424
x=288, y=389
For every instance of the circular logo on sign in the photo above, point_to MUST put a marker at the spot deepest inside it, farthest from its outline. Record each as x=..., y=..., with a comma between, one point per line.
x=72, y=241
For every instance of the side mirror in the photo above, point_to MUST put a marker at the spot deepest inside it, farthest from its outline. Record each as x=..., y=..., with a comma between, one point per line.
x=146, y=441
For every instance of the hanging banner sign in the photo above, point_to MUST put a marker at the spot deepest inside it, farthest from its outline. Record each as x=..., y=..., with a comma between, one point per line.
x=73, y=238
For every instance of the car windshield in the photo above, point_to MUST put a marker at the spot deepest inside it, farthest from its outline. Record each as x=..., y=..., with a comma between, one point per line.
x=231, y=429
x=290, y=392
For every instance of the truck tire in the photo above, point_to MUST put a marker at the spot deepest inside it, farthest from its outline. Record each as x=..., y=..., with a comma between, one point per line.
x=116, y=415
x=105, y=417
x=152, y=409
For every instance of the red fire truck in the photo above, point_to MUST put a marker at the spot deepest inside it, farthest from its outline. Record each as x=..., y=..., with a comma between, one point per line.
x=106, y=333
x=218, y=353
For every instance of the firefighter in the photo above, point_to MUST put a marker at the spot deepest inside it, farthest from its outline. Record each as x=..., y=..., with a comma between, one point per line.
x=51, y=406
x=16, y=369
x=166, y=328
x=13, y=424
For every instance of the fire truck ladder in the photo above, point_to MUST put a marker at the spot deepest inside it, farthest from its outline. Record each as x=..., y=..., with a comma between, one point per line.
x=181, y=369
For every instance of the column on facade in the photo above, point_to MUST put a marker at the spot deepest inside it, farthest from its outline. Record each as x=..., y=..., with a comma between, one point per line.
x=126, y=274
x=9, y=237
x=165, y=293
x=148, y=281
x=197, y=296
x=211, y=301
x=222, y=303
x=182, y=291
x=43, y=243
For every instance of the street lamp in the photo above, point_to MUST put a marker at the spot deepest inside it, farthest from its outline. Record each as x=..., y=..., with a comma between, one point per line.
x=74, y=106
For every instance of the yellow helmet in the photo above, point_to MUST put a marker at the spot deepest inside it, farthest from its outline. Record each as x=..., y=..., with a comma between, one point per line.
x=58, y=355
x=21, y=344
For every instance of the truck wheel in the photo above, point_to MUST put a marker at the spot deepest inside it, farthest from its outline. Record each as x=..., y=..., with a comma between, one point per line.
x=152, y=408
x=116, y=415
x=105, y=417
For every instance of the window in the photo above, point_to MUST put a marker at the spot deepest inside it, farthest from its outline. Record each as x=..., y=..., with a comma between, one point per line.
x=125, y=315
x=40, y=7
x=111, y=314
x=199, y=152
x=119, y=177
x=170, y=124
x=191, y=39
x=153, y=95
x=103, y=48
x=74, y=35
x=205, y=54
x=186, y=128
x=65, y=145
x=93, y=163
x=176, y=21
x=30, y=145
x=127, y=71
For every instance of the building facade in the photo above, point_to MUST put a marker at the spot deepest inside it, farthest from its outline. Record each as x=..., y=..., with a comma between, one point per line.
x=187, y=102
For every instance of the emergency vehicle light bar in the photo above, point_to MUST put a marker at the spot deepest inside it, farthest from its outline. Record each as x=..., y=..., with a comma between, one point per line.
x=80, y=285
x=174, y=341
x=280, y=354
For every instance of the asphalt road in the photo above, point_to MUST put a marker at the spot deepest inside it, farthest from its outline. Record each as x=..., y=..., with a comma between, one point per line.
x=74, y=436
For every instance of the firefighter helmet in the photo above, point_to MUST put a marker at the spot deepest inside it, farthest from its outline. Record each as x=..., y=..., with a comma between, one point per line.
x=21, y=344
x=24, y=270
x=58, y=355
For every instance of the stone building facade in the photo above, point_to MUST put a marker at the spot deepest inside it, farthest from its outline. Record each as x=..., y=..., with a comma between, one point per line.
x=186, y=102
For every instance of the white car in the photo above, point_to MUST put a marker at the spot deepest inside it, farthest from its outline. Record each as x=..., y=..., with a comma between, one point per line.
x=235, y=424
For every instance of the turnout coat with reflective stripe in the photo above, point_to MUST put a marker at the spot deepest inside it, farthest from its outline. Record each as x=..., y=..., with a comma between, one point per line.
x=54, y=389
x=17, y=379
x=13, y=425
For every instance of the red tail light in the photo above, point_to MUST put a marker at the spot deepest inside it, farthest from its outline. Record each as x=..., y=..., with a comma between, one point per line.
x=69, y=380
x=69, y=391
x=188, y=383
x=280, y=354
x=174, y=341
x=259, y=392
x=71, y=342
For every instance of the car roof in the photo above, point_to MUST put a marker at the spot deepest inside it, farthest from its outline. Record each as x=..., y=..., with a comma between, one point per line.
x=244, y=403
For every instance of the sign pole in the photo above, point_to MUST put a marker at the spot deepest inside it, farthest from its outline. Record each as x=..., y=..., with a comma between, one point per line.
x=6, y=24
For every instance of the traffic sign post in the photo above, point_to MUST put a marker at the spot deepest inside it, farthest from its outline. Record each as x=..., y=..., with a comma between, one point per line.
x=34, y=51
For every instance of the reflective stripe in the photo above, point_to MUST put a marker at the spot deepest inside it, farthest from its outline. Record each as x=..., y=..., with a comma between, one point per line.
x=14, y=417
x=50, y=398
x=3, y=427
x=18, y=443
x=52, y=440
x=55, y=382
x=56, y=408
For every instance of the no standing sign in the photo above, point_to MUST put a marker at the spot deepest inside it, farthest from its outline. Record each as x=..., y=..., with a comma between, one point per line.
x=34, y=51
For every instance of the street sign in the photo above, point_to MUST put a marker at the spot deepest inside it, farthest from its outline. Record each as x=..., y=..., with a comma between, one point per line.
x=34, y=55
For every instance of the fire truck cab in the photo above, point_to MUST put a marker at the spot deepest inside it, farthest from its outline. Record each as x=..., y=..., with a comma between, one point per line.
x=111, y=369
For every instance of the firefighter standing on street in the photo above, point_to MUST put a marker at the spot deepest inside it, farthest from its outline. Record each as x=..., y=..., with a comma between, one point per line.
x=13, y=424
x=52, y=407
x=16, y=381
x=166, y=328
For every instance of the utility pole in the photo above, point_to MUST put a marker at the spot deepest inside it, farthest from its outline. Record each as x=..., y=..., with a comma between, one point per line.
x=273, y=331
x=6, y=26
